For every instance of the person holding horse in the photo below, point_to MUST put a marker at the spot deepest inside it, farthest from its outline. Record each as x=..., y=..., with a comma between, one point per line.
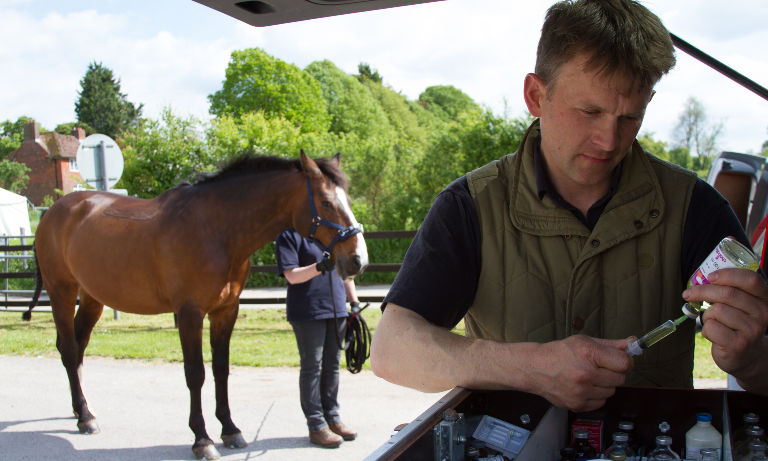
x=555, y=254
x=318, y=329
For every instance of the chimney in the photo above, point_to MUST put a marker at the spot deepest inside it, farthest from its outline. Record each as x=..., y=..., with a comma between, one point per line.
x=78, y=132
x=31, y=131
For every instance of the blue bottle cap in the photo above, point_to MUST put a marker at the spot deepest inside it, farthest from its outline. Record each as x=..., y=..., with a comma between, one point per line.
x=703, y=417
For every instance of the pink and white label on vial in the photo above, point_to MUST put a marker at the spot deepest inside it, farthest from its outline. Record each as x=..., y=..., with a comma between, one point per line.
x=715, y=261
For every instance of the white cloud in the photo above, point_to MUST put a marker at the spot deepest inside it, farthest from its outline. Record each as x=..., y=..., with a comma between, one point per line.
x=177, y=54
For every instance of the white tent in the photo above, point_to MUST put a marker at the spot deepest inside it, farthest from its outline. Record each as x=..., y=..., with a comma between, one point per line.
x=14, y=214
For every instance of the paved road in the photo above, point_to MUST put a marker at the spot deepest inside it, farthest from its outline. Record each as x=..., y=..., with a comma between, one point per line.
x=143, y=409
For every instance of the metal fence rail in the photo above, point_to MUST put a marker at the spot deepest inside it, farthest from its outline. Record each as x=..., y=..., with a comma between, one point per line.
x=5, y=248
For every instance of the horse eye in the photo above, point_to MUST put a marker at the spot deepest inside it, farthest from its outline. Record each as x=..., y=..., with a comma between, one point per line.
x=326, y=204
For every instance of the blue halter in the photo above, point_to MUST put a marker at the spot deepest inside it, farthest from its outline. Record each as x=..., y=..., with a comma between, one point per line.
x=343, y=232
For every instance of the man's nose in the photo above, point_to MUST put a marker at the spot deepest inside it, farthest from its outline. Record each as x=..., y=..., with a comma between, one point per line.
x=607, y=134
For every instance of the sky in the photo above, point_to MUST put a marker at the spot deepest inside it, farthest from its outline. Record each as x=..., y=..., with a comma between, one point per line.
x=175, y=52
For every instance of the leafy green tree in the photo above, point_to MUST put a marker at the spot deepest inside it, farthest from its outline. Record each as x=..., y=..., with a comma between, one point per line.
x=366, y=73
x=476, y=138
x=657, y=148
x=161, y=153
x=13, y=176
x=102, y=106
x=66, y=128
x=12, y=135
x=447, y=101
x=352, y=107
x=257, y=81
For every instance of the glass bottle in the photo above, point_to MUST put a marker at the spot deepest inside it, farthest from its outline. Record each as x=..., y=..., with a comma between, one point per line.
x=740, y=434
x=628, y=427
x=620, y=446
x=581, y=445
x=754, y=434
x=756, y=448
x=663, y=450
x=568, y=454
x=729, y=253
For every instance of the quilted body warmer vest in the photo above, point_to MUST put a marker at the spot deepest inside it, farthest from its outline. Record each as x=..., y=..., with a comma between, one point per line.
x=545, y=276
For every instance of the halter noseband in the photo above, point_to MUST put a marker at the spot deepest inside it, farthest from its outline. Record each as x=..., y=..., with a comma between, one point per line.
x=343, y=232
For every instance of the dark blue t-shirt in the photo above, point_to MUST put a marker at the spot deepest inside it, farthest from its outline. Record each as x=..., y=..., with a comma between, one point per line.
x=310, y=300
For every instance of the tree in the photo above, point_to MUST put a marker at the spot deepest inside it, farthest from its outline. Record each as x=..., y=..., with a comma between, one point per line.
x=657, y=148
x=12, y=135
x=102, y=106
x=366, y=73
x=13, y=176
x=66, y=128
x=352, y=107
x=694, y=131
x=257, y=81
x=447, y=101
x=161, y=153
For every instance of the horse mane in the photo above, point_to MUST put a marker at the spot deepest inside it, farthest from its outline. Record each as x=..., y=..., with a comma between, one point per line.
x=250, y=163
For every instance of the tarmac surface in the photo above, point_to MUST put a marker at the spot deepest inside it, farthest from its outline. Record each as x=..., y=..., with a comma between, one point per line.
x=143, y=409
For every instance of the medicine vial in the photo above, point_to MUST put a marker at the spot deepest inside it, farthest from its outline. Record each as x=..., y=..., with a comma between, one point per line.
x=729, y=254
x=702, y=435
x=620, y=449
x=663, y=452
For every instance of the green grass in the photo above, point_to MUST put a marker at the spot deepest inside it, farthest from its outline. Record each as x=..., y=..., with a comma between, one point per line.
x=262, y=338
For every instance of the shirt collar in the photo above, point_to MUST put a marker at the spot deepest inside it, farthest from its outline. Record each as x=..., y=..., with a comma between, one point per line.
x=544, y=187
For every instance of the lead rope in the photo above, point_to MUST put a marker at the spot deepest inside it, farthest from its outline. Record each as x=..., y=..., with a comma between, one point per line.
x=358, y=337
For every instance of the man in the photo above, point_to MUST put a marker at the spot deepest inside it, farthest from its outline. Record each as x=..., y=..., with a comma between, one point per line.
x=556, y=254
x=310, y=311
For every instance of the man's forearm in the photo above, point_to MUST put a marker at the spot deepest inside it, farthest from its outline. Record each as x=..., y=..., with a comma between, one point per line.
x=408, y=351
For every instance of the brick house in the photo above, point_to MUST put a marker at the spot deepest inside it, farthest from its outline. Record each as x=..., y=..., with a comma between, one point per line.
x=52, y=159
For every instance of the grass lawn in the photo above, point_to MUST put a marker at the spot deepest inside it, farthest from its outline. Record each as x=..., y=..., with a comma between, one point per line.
x=262, y=338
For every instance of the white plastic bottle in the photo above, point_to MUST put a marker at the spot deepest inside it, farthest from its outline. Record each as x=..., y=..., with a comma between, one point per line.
x=702, y=435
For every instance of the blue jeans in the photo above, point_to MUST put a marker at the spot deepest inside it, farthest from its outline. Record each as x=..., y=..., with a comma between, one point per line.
x=319, y=375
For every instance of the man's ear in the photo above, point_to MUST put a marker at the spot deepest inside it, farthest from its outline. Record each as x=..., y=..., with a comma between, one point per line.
x=534, y=92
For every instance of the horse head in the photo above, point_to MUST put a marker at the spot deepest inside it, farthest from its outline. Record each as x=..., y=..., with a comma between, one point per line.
x=332, y=206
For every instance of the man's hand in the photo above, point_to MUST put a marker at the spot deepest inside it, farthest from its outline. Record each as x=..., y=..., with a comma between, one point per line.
x=325, y=265
x=735, y=323
x=580, y=372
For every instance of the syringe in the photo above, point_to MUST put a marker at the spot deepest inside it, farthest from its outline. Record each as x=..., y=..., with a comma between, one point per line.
x=653, y=336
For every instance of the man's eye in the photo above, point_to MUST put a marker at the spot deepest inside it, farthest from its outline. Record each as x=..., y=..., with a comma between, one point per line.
x=590, y=112
x=326, y=204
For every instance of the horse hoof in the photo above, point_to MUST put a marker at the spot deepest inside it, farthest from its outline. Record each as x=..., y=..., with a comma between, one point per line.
x=88, y=427
x=234, y=441
x=207, y=452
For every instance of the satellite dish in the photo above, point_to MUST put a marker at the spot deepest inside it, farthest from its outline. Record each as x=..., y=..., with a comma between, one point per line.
x=99, y=156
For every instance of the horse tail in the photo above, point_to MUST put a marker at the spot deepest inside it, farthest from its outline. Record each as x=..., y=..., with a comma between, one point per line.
x=38, y=288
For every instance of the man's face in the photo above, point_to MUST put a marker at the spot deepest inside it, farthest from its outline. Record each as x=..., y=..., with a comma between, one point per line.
x=587, y=126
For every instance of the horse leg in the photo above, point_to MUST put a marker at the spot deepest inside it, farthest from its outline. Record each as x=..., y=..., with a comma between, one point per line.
x=191, y=334
x=63, y=298
x=86, y=318
x=222, y=323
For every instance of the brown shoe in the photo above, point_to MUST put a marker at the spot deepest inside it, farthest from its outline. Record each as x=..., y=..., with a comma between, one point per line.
x=325, y=438
x=345, y=432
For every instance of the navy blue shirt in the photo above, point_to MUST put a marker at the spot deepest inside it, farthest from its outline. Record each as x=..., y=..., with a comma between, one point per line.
x=441, y=270
x=310, y=300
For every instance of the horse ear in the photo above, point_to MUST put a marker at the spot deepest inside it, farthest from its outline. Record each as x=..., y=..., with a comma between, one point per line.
x=336, y=160
x=309, y=166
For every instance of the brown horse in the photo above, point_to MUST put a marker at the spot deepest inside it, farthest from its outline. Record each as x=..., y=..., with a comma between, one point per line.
x=186, y=251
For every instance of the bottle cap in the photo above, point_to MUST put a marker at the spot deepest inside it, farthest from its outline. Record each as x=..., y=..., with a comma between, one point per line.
x=620, y=436
x=581, y=434
x=472, y=452
x=689, y=313
x=634, y=348
x=568, y=451
x=757, y=445
x=751, y=418
x=758, y=431
x=664, y=440
x=626, y=425
x=703, y=417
